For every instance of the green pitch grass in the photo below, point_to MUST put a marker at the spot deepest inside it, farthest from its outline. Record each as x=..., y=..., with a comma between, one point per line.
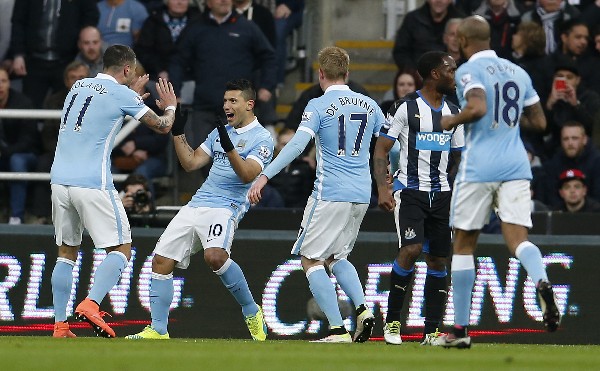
x=46, y=353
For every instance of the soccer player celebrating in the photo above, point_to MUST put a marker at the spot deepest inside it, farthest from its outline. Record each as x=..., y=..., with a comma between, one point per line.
x=83, y=194
x=342, y=123
x=494, y=171
x=421, y=201
x=239, y=151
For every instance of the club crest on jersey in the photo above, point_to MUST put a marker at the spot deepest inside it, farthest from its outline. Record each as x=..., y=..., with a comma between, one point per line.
x=241, y=144
x=465, y=79
x=139, y=100
x=306, y=115
x=264, y=153
x=409, y=234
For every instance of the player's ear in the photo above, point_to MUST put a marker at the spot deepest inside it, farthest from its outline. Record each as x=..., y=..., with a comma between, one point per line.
x=250, y=105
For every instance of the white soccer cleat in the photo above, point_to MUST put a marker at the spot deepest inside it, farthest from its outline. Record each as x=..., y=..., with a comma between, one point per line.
x=391, y=333
x=336, y=335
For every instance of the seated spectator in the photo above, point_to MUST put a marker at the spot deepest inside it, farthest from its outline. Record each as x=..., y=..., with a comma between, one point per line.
x=422, y=30
x=41, y=206
x=121, y=21
x=19, y=145
x=573, y=193
x=538, y=180
x=288, y=16
x=260, y=15
x=576, y=152
x=450, y=39
x=405, y=82
x=91, y=49
x=551, y=14
x=529, y=44
x=503, y=17
x=295, y=182
x=137, y=199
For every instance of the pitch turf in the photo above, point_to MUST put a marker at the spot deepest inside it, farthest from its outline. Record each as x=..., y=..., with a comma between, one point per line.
x=46, y=353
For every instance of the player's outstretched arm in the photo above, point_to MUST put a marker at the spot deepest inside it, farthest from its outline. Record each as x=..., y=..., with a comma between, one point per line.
x=190, y=159
x=167, y=102
x=534, y=118
x=475, y=109
x=380, y=172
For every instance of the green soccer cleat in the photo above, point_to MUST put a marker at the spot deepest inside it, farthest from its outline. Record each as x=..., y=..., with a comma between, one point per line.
x=257, y=326
x=148, y=333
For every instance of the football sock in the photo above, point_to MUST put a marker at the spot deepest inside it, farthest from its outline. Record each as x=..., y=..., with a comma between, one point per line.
x=233, y=278
x=531, y=258
x=62, y=280
x=463, y=279
x=347, y=278
x=399, y=280
x=107, y=275
x=435, y=291
x=322, y=289
x=161, y=296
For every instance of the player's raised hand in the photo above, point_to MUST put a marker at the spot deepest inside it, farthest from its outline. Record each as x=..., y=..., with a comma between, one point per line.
x=166, y=94
x=139, y=85
x=254, y=195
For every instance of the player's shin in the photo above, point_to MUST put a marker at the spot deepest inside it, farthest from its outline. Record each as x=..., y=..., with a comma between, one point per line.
x=161, y=296
x=62, y=280
x=107, y=275
x=463, y=279
x=400, y=279
x=233, y=278
x=436, y=291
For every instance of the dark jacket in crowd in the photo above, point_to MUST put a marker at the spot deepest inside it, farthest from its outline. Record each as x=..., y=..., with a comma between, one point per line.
x=590, y=206
x=264, y=20
x=216, y=53
x=18, y=135
x=294, y=183
x=502, y=27
x=73, y=16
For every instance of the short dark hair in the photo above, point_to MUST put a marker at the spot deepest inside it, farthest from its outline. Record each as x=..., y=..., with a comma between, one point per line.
x=134, y=179
x=118, y=56
x=567, y=27
x=243, y=85
x=430, y=61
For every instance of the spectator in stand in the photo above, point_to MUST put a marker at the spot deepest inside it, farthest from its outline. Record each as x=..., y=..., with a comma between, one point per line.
x=529, y=45
x=551, y=14
x=573, y=192
x=503, y=17
x=260, y=15
x=44, y=41
x=121, y=21
x=295, y=181
x=451, y=40
x=591, y=14
x=405, y=82
x=288, y=16
x=41, y=206
x=570, y=101
x=224, y=46
x=576, y=152
x=91, y=50
x=6, y=11
x=19, y=145
x=422, y=30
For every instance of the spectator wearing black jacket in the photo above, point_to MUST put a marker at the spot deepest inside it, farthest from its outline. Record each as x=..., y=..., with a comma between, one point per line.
x=260, y=15
x=573, y=193
x=44, y=40
x=551, y=14
x=503, y=17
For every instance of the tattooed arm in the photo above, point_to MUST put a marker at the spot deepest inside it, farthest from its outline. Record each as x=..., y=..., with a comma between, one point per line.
x=475, y=109
x=533, y=118
x=190, y=160
x=167, y=99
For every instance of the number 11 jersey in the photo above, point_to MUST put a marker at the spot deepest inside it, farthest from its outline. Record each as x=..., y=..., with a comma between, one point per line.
x=92, y=116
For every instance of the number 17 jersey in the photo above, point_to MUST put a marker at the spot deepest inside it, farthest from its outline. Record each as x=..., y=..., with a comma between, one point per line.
x=92, y=116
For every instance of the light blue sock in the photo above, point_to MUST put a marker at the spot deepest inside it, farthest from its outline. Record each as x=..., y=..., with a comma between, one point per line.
x=233, y=278
x=62, y=280
x=161, y=296
x=346, y=276
x=324, y=293
x=531, y=258
x=107, y=275
x=463, y=279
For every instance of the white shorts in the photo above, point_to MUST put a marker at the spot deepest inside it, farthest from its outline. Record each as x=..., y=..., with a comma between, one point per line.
x=193, y=228
x=329, y=228
x=472, y=204
x=101, y=212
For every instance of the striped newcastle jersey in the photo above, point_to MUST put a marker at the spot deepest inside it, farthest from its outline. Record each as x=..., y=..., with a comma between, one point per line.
x=424, y=145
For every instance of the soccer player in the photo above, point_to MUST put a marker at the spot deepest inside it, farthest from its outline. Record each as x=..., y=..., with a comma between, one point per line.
x=494, y=171
x=421, y=200
x=83, y=194
x=240, y=151
x=342, y=123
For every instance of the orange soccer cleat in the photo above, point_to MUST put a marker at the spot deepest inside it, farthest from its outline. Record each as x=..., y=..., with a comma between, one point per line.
x=61, y=330
x=89, y=312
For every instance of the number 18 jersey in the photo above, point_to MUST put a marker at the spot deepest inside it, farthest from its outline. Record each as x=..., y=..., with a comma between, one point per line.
x=343, y=123
x=493, y=147
x=92, y=116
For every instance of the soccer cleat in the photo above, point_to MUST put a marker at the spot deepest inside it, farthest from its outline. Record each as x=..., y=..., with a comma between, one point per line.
x=336, y=335
x=391, y=333
x=61, y=330
x=89, y=312
x=431, y=339
x=365, y=322
x=451, y=341
x=551, y=315
x=257, y=326
x=148, y=333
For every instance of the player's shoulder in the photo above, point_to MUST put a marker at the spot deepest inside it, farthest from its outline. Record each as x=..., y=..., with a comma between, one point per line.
x=410, y=97
x=261, y=133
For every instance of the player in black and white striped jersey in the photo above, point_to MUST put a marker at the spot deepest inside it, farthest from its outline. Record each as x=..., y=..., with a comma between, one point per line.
x=421, y=190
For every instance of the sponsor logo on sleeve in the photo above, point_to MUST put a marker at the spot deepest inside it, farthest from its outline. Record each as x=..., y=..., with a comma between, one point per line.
x=264, y=153
x=306, y=116
x=465, y=79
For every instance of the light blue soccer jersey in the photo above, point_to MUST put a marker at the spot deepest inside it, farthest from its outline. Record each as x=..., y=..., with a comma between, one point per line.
x=343, y=123
x=92, y=116
x=223, y=188
x=493, y=147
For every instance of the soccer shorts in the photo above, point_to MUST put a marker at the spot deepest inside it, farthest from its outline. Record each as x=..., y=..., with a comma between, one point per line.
x=473, y=203
x=101, y=212
x=193, y=228
x=329, y=229
x=423, y=218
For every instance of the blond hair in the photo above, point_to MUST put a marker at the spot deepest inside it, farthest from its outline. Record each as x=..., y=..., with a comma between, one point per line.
x=334, y=62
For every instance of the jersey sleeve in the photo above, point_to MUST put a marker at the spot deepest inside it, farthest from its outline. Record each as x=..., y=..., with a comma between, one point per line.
x=467, y=78
x=310, y=120
x=132, y=104
x=262, y=152
x=379, y=121
x=458, y=138
x=394, y=122
x=208, y=144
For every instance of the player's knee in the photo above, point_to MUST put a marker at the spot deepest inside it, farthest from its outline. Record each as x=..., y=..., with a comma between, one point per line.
x=215, y=258
x=162, y=265
x=437, y=263
x=409, y=254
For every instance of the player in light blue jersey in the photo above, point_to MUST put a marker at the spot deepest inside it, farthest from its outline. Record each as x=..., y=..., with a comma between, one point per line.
x=342, y=123
x=83, y=194
x=239, y=152
x=494, y=171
